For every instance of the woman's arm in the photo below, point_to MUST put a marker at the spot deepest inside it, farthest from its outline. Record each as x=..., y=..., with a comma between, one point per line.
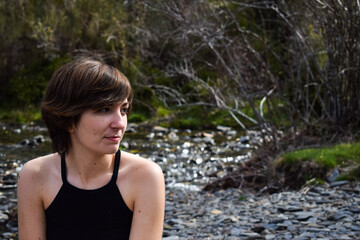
x=149, y=204
x=31, y=215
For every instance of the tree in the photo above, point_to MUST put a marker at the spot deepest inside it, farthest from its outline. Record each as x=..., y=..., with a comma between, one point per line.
x=276, y=57
x=224, y=48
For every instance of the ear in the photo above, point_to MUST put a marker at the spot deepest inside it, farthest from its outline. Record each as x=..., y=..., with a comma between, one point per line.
x=71, y=129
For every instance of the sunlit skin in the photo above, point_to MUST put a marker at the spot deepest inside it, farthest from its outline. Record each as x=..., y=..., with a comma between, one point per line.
x=97, y=134
x=100, y=131
x=90, y=160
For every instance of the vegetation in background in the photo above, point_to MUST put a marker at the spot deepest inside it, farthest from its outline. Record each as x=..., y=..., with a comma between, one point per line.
x=317, y=163
x=20, y=116
x=265, y=65
x=198, y=117
x=328, y=157
x=27, y=86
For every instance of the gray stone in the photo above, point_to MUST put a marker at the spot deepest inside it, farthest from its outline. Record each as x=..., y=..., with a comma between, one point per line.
x=223, y=128
x=270, y=236
x=302, y=216
x=3, y=217
x=171, y=238
x=333, y=176
x=338, y=183
x=236, y=232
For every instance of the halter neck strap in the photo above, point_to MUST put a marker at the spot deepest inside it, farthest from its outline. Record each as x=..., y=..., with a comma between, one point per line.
x=115, y=172
x=116, y=166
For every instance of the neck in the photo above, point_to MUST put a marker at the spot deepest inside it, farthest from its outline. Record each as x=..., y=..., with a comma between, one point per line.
x=89, y=170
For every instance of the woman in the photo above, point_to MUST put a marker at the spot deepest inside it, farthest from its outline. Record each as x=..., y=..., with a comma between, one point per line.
x=88, y=189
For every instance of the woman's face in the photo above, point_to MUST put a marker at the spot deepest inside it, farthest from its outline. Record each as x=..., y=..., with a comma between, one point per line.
x=100, y=131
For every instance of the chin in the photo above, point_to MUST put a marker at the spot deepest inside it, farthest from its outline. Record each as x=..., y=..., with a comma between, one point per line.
x=111, y=150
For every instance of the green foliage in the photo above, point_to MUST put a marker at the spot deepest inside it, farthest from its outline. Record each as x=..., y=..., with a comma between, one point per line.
x=316, y=181
x=221, y=117
x=33, y=33
x=312, y=166
x=200, y=117
x=188, y=122
x=328, y=157
x=273, y=110
x=162, y=112
x=30, y=114
x=317, y=42
x=28, y=85
x=144, y=99
x=243, y=198
x=136, y=118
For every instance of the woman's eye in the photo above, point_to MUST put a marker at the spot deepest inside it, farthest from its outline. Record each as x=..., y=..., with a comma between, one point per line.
x=106, y=109
x=125, y=110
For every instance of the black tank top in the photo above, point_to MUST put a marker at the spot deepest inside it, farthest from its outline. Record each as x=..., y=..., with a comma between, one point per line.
x=88, y=214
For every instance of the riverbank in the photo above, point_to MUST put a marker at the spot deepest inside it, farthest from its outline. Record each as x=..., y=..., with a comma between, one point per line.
x=327, y=212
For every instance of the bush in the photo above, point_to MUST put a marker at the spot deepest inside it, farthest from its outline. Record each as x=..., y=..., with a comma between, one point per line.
x=27, y=87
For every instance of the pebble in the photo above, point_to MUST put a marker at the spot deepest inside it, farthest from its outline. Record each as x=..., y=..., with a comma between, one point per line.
x=236, y=214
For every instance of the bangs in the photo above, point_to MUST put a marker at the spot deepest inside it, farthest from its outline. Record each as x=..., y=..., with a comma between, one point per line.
x=110, y=86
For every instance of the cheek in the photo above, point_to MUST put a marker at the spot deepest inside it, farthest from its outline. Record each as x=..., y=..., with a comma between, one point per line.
x=125, y=124
x=93, y=126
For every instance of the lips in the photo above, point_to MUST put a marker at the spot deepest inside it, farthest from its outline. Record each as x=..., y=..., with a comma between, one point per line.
x=113, y=138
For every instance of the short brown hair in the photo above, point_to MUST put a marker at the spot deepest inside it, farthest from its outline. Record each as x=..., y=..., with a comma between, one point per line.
x=75, y=87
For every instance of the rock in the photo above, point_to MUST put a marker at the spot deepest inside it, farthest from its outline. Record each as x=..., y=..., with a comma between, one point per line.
x=338, y=183
x=17, y=130
x=8, y=235
x=3, y=200
x=302, y=216
x=336, y=216
x=258, y=228
x=223, y=128
x=32, y=142
x=173, y=136
x=231, y=133
x=39, y=139
x=131, y=128
x=270, y=236
x=290, y=209
x=171, y=238
x=333, y=176
x=244, y=139
x=125, y=145
x=158, y=129
x=354, y=209
x=236, y=232
x=3, y=217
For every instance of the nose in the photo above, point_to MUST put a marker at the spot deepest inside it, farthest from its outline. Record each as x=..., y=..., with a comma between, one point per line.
x=119, y=120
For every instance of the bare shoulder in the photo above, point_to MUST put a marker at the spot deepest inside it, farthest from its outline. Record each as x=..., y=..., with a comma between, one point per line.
x=137, y=163
x=140, y=173
x=141, y=183
x=35, y=178
x=38, y=169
